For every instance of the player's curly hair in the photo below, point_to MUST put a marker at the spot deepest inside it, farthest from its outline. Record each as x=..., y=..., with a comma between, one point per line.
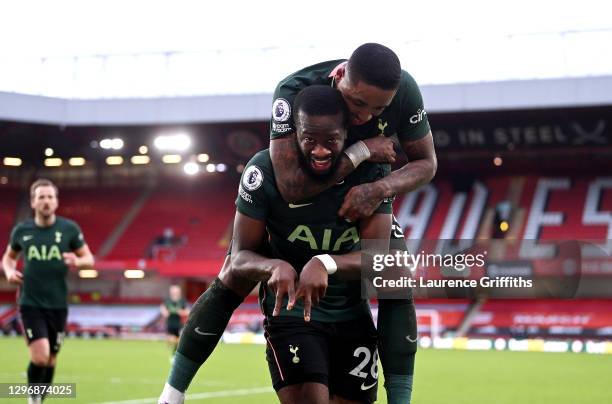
x=317, y=100
x=376, y=65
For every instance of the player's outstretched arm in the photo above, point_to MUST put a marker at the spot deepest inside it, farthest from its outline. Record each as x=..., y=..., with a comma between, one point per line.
x=363, y=199
x=9, y=264
x=296, y=185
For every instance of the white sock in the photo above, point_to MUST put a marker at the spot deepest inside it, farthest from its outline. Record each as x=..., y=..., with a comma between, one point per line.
x=170, y=395
x=34, y=400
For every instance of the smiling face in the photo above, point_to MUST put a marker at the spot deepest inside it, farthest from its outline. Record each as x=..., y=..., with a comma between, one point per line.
x=364, y=101
x=321, y=140
x=44, y=201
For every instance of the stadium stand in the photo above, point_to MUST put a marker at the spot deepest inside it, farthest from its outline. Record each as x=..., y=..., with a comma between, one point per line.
x=461, y=206
x=200, y=212
x=9, y=198
x=98, y=211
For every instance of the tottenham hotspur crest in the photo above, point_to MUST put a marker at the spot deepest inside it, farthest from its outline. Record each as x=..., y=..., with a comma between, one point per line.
x=58, y=236
x=293, y=350
x=382, y=126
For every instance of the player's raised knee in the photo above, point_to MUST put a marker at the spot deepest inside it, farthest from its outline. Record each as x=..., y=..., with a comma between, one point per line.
x=234, y=280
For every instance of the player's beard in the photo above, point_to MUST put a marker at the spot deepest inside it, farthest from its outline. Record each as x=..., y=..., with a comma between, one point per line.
x=305, y=162
x=46, y=212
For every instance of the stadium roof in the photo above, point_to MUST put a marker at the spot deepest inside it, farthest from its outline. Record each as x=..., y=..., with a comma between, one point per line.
x=143, y=48
x=75, y=56
x=524, y=94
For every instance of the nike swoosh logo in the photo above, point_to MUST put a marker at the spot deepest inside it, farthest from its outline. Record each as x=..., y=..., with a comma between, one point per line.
x=412, y=340
x=368, y=387
x=197, y=330
x=292, y=206
x=26, y=238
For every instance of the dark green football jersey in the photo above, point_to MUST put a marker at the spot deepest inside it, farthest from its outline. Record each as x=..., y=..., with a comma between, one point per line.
x=297, y=232
x=44, y=273
x=405, y=116
x=173, y=307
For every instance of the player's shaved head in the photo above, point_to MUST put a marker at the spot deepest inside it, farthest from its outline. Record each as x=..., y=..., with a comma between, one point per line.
x=320, y=100
x=376, y=65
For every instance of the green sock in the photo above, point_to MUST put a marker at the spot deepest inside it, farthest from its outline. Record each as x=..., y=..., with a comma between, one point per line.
x=397, y=346
x=203, y=330
x=399, y=388
x=182, y=372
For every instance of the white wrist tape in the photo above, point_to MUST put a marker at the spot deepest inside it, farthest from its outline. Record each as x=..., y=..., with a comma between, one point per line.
x=357, y=153
x=328, y=262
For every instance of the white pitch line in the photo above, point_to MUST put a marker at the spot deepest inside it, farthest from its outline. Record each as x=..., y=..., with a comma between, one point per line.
x=201, y=396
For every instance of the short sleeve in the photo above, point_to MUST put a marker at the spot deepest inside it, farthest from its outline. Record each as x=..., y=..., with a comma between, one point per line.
x=252, y=200
x=77, y=240
x=281, y=121
x=14, y=241
x=413, y=117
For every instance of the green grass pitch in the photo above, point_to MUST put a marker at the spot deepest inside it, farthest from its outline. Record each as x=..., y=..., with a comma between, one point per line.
x=134, y=371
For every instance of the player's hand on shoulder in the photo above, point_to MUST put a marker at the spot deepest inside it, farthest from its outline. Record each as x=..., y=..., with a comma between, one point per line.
x=381, y=149
x=70, y=259
x=15, y=278
x=312, y=285
x=282, y=282
x=360, y=201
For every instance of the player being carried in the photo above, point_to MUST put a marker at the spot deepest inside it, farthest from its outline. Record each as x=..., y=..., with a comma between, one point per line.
x=386, y=107
x=321, y=337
